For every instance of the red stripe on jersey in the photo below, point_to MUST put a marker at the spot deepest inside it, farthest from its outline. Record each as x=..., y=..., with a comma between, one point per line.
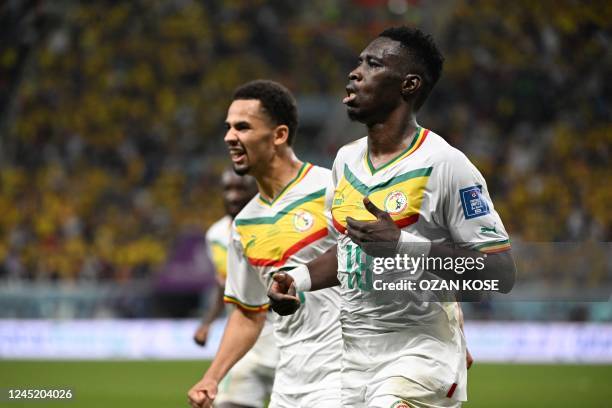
x=404, y=222
x=451, y=391
x=290, y=251
x=338, y=226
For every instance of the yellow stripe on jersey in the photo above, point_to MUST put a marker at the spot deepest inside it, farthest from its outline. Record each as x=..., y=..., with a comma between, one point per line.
x=245, y=306
x=270, y=241
x=219, y=259
x=494, y=247
x=400, y=196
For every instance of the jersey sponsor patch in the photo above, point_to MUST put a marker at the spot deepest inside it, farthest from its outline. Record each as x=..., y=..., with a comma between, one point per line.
x=474, y=205
x=400, y=404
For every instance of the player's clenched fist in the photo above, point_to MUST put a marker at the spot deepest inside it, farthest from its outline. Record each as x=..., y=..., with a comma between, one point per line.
x=282, y=294
x=201, y=334
x=203, y=393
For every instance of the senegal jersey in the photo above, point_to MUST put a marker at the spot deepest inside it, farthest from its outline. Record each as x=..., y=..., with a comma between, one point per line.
x=288, y=231
x=217, y=238
x=264, y=352
x=431, y=190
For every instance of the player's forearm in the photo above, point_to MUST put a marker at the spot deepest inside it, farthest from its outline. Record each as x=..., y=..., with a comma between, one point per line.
x=241, y=333
x=324, y=270
x=500, y=266
x=216, y=307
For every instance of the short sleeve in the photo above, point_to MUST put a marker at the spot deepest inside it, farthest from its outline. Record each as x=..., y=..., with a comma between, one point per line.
x=217, y=253
x=243, y=286
x=469, y=212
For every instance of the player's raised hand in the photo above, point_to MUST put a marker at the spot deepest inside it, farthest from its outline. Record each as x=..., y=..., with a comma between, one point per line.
x=201, y=334
x=282, y=294
x=203, y=393
x=381, y=231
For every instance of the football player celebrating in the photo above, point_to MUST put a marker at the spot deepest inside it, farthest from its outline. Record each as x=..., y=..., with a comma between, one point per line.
x=404, y=188
x=283, y=226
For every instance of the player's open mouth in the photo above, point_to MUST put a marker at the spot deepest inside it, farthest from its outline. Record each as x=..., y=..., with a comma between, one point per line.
x=237, y=155
x=349, y=98
x=351, y=94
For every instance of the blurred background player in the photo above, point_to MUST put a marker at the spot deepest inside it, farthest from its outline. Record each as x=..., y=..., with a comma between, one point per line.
x=249, y=382
x=283, y=226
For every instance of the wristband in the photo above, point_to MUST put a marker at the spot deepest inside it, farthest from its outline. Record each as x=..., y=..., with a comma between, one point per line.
x=413, y=245
x=301, y=278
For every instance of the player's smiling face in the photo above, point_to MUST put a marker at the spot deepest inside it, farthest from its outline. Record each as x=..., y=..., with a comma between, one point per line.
x=249, y=136
x=375, y=85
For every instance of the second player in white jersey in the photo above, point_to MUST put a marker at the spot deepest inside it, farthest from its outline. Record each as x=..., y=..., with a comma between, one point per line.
x=289, y=231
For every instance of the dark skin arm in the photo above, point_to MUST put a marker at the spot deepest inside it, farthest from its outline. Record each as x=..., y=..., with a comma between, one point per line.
x=214, y=312
x=496, y=266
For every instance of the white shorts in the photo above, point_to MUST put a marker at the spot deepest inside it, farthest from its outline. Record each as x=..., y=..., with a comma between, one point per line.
x=421, y=366
x=315, y=399
x=251, y=379
x=420, y=396
x=247, y=383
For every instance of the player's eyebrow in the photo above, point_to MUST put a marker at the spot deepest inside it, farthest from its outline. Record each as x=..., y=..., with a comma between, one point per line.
x=241, y=124
x=365, y=55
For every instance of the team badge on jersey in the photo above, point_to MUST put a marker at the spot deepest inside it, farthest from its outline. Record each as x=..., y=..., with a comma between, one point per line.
x=400, y=404
x=473, y=203
x=303, y=221
x=396, y=202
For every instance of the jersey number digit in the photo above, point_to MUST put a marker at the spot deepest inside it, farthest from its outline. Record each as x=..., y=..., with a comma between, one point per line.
x=358, y=268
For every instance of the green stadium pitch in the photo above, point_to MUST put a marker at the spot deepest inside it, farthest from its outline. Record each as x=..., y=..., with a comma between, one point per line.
x=160, y=384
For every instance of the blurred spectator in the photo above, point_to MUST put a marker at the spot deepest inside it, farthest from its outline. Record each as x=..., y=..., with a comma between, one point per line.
x=112, y=114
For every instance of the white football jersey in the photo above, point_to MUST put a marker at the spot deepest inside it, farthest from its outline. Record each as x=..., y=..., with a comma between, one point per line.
x=431, y=190
x=290, y=230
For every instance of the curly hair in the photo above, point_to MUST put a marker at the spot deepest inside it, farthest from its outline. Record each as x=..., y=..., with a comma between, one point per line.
x=424, y=56
x=275, y=99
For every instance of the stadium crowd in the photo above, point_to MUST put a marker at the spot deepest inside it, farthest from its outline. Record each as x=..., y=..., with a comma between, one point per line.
x=112, y=121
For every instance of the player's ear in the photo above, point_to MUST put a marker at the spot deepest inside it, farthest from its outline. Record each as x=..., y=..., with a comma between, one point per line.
x=411, y=84
x=281, y=135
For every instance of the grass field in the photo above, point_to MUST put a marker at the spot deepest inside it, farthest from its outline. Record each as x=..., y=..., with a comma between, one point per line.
x=164, y=384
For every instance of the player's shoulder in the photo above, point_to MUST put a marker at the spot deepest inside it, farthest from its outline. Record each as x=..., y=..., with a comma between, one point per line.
x=252, y=209
x=351, y=149
x=455, y=165
x=442, y=151
x=317, y=179
x=318, y=171
x=219, y=228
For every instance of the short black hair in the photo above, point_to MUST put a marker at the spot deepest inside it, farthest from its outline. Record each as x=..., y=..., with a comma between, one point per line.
x=275, y=99
x=424, y=54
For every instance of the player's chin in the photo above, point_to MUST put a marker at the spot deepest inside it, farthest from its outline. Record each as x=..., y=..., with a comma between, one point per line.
x=355, y=114
x=241, y=169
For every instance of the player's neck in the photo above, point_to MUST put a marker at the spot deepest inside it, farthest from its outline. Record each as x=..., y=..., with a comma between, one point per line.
x=389, y=138
x=278, y=174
